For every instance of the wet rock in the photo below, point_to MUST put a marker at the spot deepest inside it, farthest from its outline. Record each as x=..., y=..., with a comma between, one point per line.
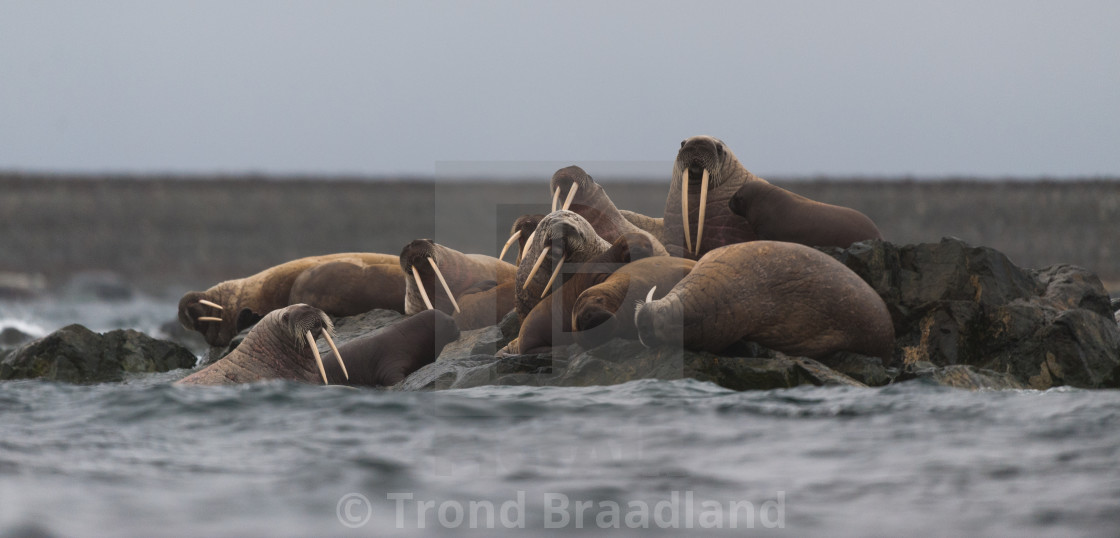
x=76, y=354
x=954, y=304
x=867, y=370
x=960, y=376
x=620, y=361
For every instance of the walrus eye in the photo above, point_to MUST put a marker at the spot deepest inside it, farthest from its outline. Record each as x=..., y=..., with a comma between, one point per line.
x=719, y=149
x=682, y=143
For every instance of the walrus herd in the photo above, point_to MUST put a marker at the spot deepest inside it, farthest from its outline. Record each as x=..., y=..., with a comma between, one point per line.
x=730, y=261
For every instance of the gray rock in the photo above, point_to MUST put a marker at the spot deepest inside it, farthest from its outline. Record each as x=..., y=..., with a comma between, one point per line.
x=620, y=361
x=76, y=354
x=960, y=376
x=954, y=304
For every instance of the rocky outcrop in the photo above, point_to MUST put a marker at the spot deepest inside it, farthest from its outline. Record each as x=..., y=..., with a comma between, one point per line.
x=620, y=361
x=955, y=304
x=76, y=354
x=964, y=316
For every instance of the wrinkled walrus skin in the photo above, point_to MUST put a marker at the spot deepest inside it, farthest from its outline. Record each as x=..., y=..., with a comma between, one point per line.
x=726, y=176
x=482, y=285
x=339, y=284
x=387, y=356
x=591, y=202
x=276, y=348
x=787, y=297
x=775, y=214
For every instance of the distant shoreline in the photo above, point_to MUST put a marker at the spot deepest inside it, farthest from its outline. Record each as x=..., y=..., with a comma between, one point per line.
x=199, y=230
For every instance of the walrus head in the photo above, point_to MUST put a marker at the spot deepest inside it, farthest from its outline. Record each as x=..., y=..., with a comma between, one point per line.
x=421, y=260
x=202, y=312
x=704, y=164
x=298, y=326
x=562, y=236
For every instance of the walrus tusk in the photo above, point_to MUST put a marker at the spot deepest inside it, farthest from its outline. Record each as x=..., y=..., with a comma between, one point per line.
x=208, y=318
x=703, y=206
x=684, y=211
x=540, y=260
x=649, y=296
x=528, y=245
x=337, y=355
x=210, y=304
x=420, y=284
x=552, y=278
x=571, y=196
x=516, y=235
x=445, y=286
x=555, y=198
x=318, y=358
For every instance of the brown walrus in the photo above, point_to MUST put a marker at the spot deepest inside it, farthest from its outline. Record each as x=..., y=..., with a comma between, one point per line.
x=590, y=201
x=281, y=346
x=387, y=356
x=561, y=237
x=654, y=225
x=521, y=231
x=788, y=297
x=606, y=310
x=476, y=289
x=711, y=175
x=775, y=214
x=340, y=284
x=549, y=323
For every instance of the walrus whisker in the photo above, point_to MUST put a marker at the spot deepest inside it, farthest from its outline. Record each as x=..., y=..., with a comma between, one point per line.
x=684, y=211
x=337, y=355
x=210, y=304
x=516, y=235
x=420, y=285
x=703, y=206
x=536, y=266
x=551, y=279
x=555, y=198
x=571, y=196
x=318, y=358
x=445, y=286
x=208, y=318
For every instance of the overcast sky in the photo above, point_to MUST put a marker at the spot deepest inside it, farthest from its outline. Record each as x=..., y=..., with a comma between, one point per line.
x=886, y=88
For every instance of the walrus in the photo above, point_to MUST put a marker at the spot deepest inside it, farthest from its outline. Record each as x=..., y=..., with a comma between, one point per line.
x=785, y=296
x=340, y=284
x=549, y=323
x=775, y=214
x=280, y=346
x=590, y=201
x=561, y=237
x=654, y=225
x=387, y=356
x=710, y=174
x=521, y=231
x=606, y=310
x=476, y=289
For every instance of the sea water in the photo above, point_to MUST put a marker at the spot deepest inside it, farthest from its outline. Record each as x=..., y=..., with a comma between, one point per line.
x=146, y=458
